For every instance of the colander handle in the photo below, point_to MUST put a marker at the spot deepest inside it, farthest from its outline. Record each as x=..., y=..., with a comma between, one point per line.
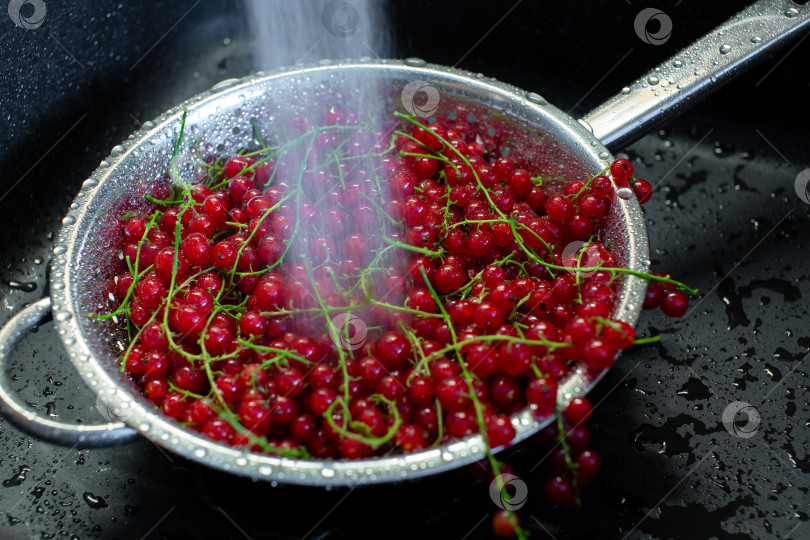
x=698, y=70
x=78, y=436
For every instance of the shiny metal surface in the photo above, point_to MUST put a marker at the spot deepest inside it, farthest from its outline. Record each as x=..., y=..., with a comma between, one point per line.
x=80, y=436
x=82, y=262
x=698, y=70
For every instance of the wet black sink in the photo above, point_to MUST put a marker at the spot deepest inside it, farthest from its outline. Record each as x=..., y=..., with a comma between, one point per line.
x=725, y=219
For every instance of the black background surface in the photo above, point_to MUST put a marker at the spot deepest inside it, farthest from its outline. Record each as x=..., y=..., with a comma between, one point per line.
x=725, y=218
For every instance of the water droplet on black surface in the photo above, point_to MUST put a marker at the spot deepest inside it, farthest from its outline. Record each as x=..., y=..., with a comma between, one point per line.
x=694, y=389
x=18, y=477
x=37, y=492
x=94, y=501
x=22, y=286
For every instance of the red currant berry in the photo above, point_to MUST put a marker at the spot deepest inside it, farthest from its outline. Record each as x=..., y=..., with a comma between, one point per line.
x=502, y=524
x=643, y=190
x=500, y=431
x=449, y=277
x=196, y=249
x=602, y=186
x=489, y=316
x=653, y=297
x=598, y=354
x=621, y=169
x=675, y=304
x=393, y=350
x=559, y=208
x=560, y=490
x=578, y=410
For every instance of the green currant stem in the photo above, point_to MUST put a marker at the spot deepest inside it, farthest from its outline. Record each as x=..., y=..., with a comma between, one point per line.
x=174, y=173
x=415, y=249
x=479, y=410
x=373, y=442
x=341, y=353
x=645, y=341
x=380, y=209
x=561, y=433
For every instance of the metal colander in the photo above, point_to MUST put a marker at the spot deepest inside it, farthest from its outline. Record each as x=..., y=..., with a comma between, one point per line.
x=555, y=143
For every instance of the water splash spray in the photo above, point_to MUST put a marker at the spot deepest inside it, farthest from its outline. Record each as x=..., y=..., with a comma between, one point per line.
x=291, y=33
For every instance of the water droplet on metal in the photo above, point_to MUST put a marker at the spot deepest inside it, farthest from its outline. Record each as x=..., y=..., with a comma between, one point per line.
x=724, y=49
x=447, y=456
x=200, y=452
x=624, y=193
x=677, y=64
x=104, y=164
x=328, y=472
x=585, y=124
x=536, y=98
x=224, y=84
x=63, y=316
x=117, y=151
x=791, y=13
x=265, y=470
x=626, y=90
x=148, y=125
x=415, y=62
x=241, y=461
x=652, y=79
x=604, y=155
x=756, y=39
x=144, y=427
